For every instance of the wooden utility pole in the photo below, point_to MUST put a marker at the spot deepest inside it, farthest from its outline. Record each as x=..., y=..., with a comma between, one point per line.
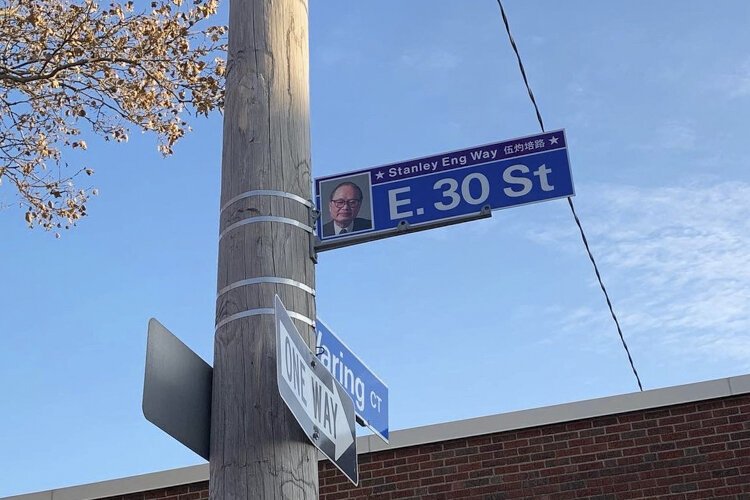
x=257, y=447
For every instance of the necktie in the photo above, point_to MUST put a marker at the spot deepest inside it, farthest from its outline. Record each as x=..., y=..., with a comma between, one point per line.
x=343, y=231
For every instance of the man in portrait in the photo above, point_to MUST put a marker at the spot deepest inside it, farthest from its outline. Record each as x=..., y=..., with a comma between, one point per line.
x=343, y=207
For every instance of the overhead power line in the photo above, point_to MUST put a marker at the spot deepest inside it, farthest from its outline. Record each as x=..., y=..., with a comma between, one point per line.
x=570, y=199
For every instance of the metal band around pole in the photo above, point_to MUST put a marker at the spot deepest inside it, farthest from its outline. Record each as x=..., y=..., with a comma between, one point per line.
x=264, y=311
x=266, y=192
x=266, y=279
x=266, y=218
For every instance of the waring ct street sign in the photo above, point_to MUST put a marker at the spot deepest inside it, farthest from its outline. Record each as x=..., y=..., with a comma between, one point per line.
x=368, y=392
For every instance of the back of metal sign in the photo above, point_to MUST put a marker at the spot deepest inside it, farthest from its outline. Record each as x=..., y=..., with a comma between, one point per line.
x=177, y=389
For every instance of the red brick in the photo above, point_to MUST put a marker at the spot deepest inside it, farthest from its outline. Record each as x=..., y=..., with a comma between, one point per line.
x=594, y=448
x=506, y=469
x=415, y=459
x=580, y=441
x=617, y=429
x=592, y=432
x=491, y=447
x=567, y=452
x=544, y=439
x=667, y=455
x=672, y=420
x=420, y=474
x=556, y=446
x=458, y=443
x=426, y=481
x=432, y=464
x=394, y=462
x=518, y=443
x=430, y=448
x=471, y=466
x=437, y=488
x=674, y=436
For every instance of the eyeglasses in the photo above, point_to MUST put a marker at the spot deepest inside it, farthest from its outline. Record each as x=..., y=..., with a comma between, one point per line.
x=350, y=203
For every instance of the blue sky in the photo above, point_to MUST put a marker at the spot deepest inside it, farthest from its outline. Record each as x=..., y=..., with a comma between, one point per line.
x=482, y=318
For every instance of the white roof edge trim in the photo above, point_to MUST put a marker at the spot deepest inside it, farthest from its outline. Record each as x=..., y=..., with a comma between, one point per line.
x=567, y=412
x=123, y=486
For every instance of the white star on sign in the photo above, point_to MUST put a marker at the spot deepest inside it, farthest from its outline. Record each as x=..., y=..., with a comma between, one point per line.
x=553, y=140
x=379, y=175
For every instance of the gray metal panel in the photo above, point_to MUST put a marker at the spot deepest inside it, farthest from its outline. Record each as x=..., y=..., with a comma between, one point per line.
x=44, y=495
x=177, y=389
x=740, y=385
x=123, y=486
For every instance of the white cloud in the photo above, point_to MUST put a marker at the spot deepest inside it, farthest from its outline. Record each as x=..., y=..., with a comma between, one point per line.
x=337, y=56
x=679, y=260
x=673, y=135
x=576, y=88
x=538, y=40
x=736, y=84
x=430, y=60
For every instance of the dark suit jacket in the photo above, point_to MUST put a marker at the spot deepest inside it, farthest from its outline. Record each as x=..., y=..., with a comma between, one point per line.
x=359, y=225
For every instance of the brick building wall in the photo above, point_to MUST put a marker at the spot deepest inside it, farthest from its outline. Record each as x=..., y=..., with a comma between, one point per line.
x=696, y=450
x=685, y=451
x=194, y=491
x=682, y=442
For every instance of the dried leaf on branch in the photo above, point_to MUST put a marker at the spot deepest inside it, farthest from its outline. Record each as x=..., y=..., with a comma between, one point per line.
x=69, y=68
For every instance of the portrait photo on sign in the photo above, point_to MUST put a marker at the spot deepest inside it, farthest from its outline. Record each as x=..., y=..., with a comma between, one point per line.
x=345, y=205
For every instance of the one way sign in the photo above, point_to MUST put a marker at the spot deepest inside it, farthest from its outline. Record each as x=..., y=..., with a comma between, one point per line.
x=320, y=404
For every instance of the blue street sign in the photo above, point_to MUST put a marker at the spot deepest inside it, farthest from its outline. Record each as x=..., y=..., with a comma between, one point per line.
x=368, y=392
x=443, y=187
